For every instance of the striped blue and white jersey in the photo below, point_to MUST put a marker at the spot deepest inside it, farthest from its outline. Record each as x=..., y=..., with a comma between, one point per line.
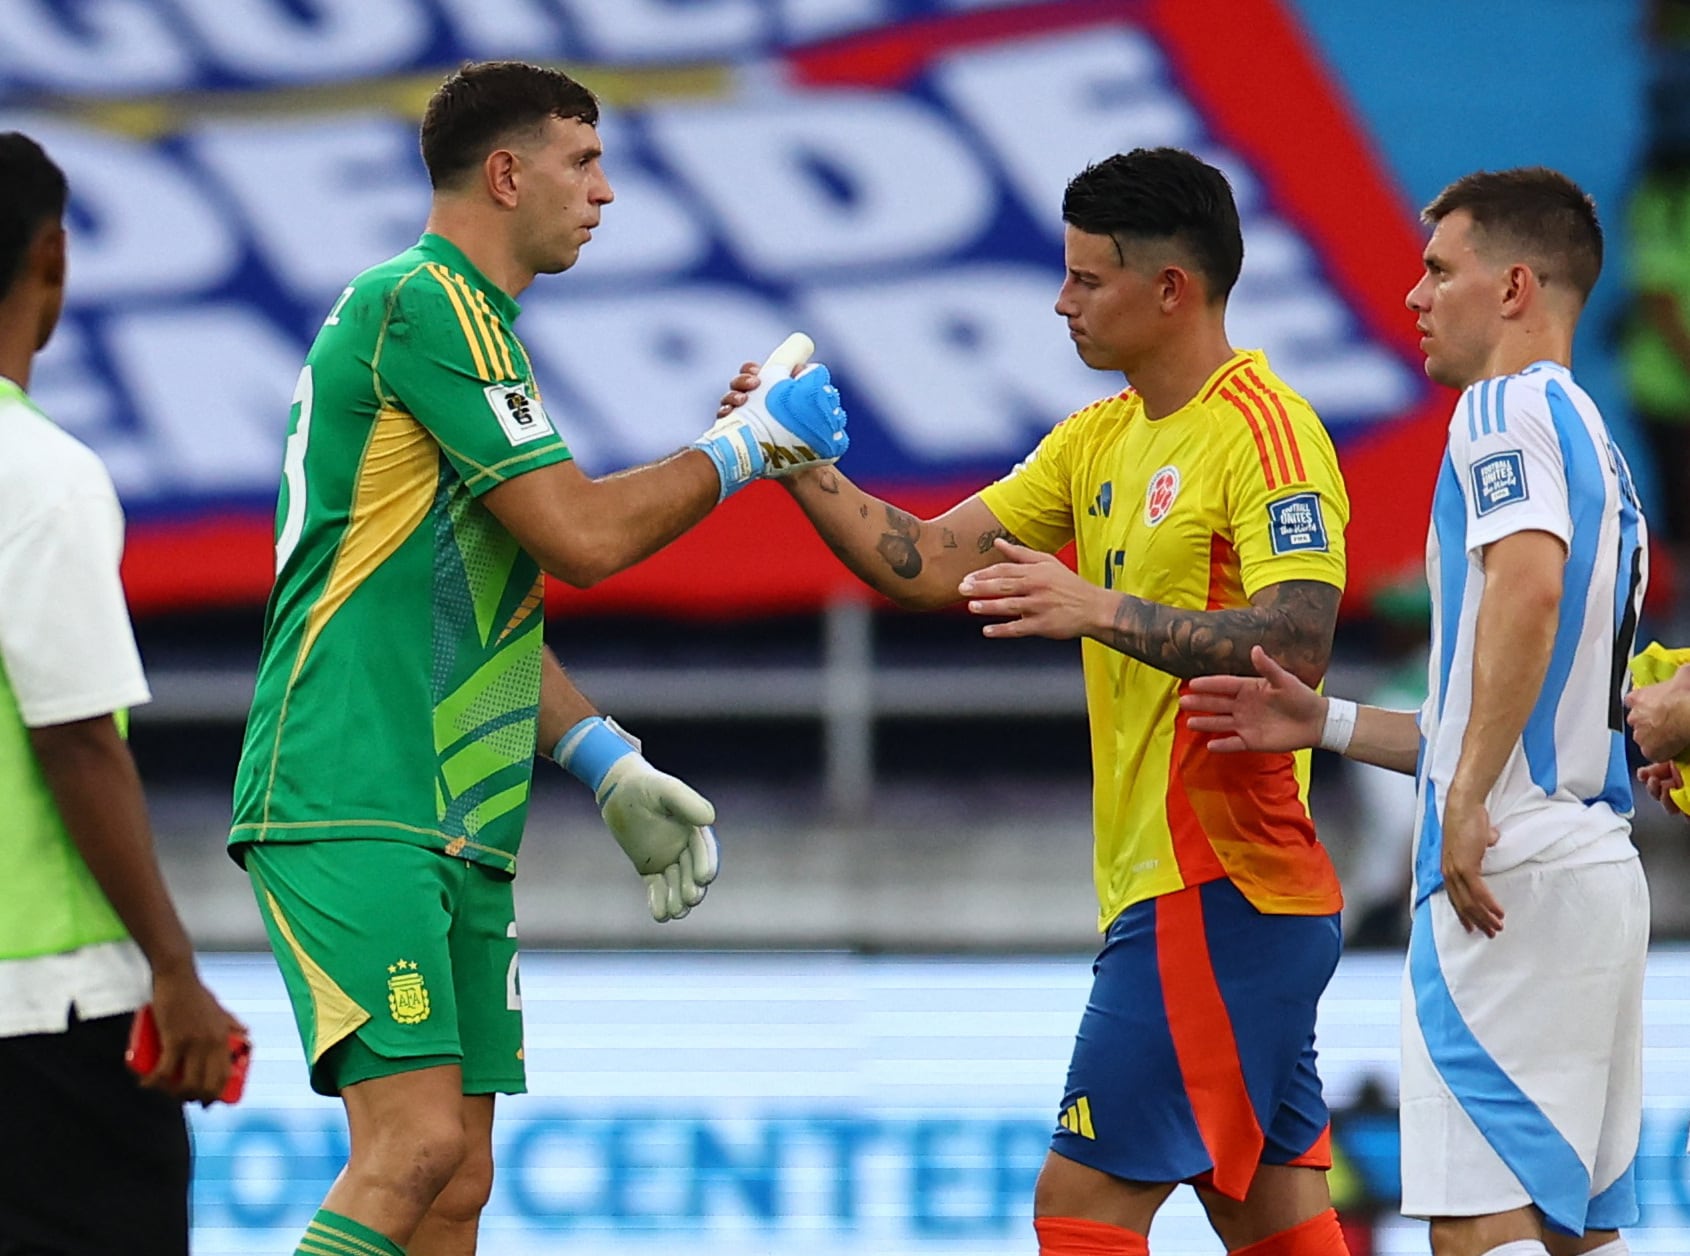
x=1531, y=452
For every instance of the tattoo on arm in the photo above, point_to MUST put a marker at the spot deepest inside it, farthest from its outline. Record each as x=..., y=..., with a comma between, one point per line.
x=985, y=540
x=900, y=544
x=1292, y=621
x=828, y=481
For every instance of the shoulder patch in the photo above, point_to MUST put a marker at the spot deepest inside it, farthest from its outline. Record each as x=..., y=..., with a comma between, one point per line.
x=521, y=416
x=1297, y=526
x=1498, y=481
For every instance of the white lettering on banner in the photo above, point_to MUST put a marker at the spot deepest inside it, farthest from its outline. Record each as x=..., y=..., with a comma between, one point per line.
x=342, y=38
x=651, y=229
x=666, y=30
x=71, y=388
x=141, y=228
x=1112, y=87
x=1098, y=92
x=354, y=192
x=815, y=180
x=212, y=384
x=492, y=28
x=1310, y=340
x=111, y=46
x=803, y=20
x=968, y=361
x=651, y=368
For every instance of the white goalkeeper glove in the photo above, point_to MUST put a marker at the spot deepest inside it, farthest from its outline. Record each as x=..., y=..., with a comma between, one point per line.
x=788, y=424
x=661, y=823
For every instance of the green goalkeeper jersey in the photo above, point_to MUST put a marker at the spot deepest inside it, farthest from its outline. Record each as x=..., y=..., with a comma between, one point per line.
x=399, y=686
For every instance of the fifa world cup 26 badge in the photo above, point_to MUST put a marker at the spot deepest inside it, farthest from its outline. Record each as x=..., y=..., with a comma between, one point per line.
x=1159, y=495
x=407, y=997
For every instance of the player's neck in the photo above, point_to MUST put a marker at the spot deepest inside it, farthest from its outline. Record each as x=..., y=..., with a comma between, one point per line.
x=17, y=342
x=1168, y=379
x=1523, y=344
x=486, y=250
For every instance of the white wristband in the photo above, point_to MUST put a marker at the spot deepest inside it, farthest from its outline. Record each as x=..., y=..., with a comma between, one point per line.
x=1340, y=725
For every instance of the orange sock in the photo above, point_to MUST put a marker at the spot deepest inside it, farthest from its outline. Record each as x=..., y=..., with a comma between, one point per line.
x=1075, y=1236
x=1318, y=1236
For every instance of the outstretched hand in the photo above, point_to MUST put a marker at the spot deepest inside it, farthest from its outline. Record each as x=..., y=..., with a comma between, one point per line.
x=1039, y=594
x=1659, y=780
x=1270, y=711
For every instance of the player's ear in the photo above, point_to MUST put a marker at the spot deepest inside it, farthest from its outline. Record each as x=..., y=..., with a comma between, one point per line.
x=1174, y=287
x=1519, y=284
x=499, y=172
x=47, y=255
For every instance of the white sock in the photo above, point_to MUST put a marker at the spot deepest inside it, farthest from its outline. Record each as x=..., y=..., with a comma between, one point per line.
x=1522, y=1247
x=1615, y=1248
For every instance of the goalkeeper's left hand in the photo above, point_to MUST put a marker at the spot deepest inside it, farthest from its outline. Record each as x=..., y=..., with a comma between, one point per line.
x=661, y=823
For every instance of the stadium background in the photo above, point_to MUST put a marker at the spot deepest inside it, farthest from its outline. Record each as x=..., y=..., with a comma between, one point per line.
x=855, y=1046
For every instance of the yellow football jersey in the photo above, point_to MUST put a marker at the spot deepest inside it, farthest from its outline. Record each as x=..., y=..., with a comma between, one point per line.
x=1199, y=510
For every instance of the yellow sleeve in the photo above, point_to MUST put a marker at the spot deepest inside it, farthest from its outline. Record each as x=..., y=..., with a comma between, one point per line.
x=1287, y=501
x=1035, y=501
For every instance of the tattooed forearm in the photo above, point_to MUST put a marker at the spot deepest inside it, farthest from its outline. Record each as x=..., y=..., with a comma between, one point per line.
x=900, y=544
x=986, y=540
x=828, y=481
x=1292, y=621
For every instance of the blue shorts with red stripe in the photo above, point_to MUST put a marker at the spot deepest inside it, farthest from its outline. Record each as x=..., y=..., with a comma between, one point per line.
x=1195, y=1059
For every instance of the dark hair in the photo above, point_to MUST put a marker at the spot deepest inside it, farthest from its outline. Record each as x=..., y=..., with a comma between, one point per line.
x=32, y=192
x=486, y=102
x=1537, y=213
x=1162, y=194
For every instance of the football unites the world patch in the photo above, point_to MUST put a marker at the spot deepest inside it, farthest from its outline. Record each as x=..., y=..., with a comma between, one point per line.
x=520, y=414
x=1160, y=494
x=1499, y=480
x=1296, y=525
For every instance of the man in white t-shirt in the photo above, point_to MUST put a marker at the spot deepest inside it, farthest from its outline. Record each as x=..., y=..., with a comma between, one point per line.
x=92, y=1159
x=1522, y=1000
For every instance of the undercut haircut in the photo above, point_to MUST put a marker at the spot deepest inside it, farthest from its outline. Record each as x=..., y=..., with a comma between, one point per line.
x=487, y=104
x=33, y=192
x=1162, y=194
x=1533, y=215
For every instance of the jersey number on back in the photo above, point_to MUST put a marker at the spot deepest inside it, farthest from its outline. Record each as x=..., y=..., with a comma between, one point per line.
x=293, y=472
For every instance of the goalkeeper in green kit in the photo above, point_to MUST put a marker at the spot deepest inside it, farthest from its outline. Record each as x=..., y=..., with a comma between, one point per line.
x=404, y=690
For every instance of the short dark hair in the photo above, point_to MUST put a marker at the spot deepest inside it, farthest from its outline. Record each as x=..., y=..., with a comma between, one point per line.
x=485, y=102
x=32, y=192
x=1538, y=213
x=1162, y=194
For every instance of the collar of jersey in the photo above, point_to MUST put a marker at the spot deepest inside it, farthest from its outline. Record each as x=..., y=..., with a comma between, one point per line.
x=438, y=248
x=1201, y=399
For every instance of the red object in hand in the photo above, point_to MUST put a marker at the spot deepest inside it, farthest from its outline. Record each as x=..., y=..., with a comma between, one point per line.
x=144, y=1047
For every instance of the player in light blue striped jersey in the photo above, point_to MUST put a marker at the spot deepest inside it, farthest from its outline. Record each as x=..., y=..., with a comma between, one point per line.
x=1522, y=1000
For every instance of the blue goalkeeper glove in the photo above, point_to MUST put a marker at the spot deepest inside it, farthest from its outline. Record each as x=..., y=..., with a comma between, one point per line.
x=789, y=424
x=661, y=823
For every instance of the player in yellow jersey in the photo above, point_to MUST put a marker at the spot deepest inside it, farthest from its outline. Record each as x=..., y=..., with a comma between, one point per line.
x=1208, y=516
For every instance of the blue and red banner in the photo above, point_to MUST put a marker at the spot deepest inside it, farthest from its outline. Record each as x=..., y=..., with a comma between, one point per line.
x=884, y=174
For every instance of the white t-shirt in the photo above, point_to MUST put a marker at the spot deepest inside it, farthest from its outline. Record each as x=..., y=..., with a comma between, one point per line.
x=70, y=654
x=1531, y=452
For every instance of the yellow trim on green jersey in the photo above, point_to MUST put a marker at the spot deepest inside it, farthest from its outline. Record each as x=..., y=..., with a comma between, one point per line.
x=334, y=1014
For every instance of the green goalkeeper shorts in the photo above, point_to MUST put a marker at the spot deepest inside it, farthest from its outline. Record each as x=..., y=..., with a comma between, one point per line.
x=396, y=958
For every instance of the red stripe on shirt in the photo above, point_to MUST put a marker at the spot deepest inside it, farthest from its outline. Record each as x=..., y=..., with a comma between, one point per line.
x=1284, y=421
x=1225, y=375
x=1194, y=852
x=1255, y=431
x=1260, y=407
x=1204, y=1043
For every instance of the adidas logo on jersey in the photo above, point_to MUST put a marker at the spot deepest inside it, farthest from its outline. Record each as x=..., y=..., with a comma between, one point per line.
x=1076, y=1118
x=1101, y=503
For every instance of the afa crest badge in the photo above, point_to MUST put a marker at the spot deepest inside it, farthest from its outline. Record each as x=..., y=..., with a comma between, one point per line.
x=407, y=996
x=1159, y=497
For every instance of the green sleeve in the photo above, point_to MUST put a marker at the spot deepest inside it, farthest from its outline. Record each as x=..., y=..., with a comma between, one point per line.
x=462, y=375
